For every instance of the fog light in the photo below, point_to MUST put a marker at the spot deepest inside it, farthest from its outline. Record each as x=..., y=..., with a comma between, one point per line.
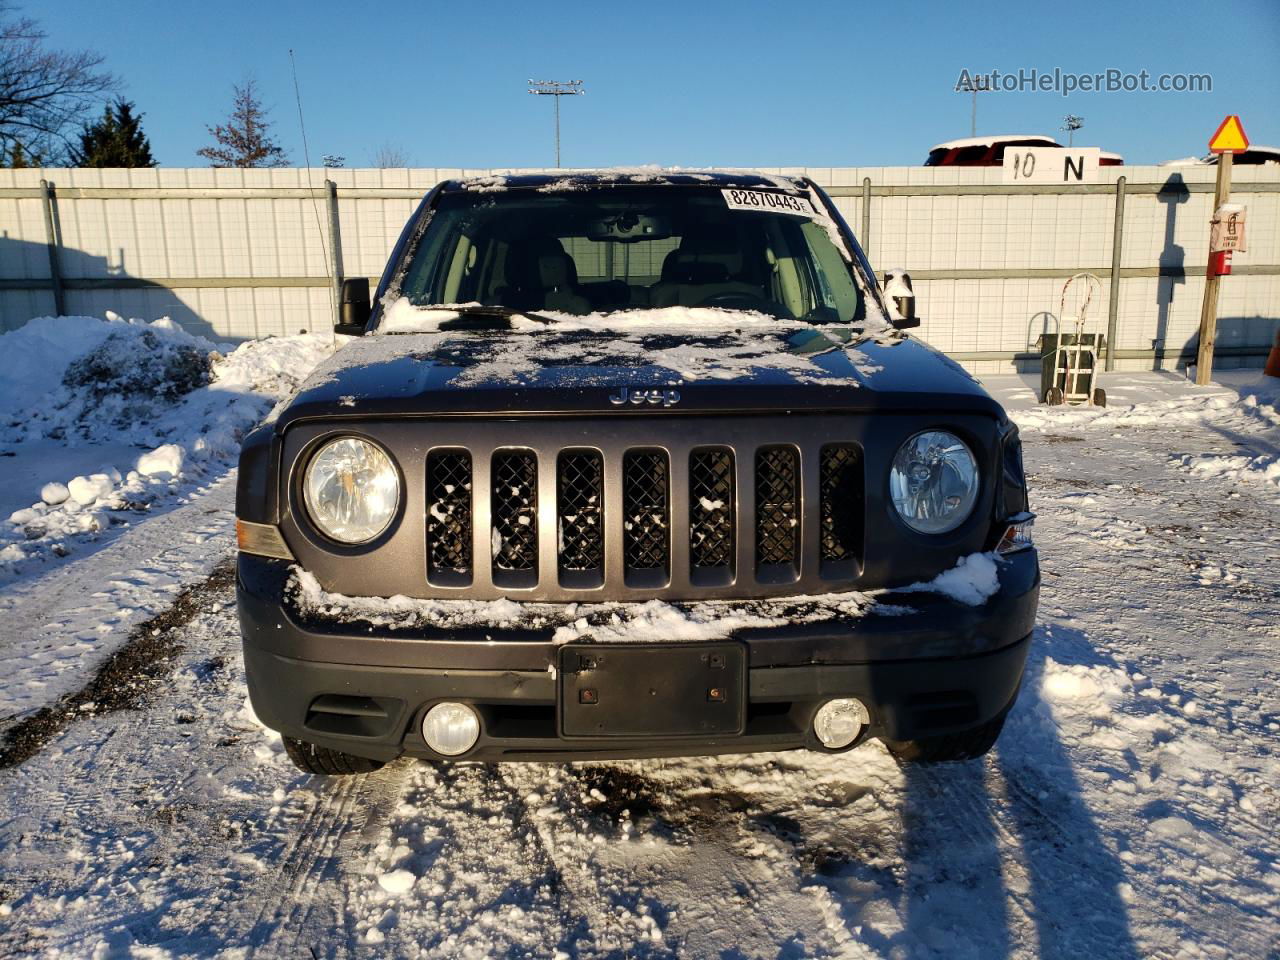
x=451, y=728
x=838, y=722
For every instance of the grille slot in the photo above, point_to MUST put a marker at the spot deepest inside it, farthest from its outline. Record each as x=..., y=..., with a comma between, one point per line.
x=449, y=517
x=514, y=508
x=840, y=496
x=646, y=526
x=711, y=511
x=777, y=513
x=580, y=510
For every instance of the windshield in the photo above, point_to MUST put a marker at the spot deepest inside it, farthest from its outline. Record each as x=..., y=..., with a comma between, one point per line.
x=604, y=250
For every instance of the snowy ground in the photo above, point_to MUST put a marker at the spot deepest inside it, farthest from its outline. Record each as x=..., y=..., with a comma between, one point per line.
x=1128, y=810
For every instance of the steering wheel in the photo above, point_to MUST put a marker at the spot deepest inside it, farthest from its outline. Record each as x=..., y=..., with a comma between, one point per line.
x=746, y=301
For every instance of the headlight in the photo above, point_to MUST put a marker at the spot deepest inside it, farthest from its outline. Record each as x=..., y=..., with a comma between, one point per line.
x=934, y=482
x=351, y=489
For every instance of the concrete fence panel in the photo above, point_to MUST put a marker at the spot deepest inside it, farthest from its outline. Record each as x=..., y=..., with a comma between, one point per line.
x=236, y=254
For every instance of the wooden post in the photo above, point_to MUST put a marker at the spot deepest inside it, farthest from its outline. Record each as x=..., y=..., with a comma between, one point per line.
x=1209, y=311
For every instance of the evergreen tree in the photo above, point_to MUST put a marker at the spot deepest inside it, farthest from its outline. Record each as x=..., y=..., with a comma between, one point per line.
x=114, y=140
x=17, y=157
x=245, y=141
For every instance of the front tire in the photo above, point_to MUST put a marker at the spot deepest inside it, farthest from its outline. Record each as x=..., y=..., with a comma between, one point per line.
x=949, y=748
x=323, y=762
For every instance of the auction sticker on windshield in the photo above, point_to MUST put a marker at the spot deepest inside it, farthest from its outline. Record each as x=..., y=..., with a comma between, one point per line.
x=763, y=200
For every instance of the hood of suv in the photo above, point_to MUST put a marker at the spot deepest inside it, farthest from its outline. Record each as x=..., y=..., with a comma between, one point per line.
x=662, y=373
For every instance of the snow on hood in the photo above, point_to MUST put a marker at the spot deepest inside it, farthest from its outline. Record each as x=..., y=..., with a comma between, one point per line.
x=678, y=344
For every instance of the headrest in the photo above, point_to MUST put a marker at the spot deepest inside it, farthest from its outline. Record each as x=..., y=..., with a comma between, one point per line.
x=722, y=247
x=556, y=270
x=525, y=263
x=694, y=271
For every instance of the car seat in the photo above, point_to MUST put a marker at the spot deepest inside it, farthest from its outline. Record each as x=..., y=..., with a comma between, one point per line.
x=541, y=276
x=706, y=264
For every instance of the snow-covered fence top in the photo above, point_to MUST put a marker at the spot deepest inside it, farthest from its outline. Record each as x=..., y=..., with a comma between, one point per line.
x=237, y=254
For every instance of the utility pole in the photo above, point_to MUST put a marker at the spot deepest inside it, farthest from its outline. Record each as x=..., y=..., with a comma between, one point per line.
x=1071, y=123
x=1228, y=140
x=975, y=86
x=556, y=89
x=1212, y=280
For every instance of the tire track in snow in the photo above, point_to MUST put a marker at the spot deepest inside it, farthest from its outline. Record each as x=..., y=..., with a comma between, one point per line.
x=75, y=616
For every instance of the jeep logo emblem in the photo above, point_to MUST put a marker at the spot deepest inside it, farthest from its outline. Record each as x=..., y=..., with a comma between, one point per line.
x=625, y=395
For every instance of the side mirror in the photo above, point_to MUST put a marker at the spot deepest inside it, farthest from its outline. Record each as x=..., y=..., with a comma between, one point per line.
x=353, y=310
x=901, y=300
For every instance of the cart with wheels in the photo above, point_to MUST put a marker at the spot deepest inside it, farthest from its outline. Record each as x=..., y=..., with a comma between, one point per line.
x=1069, y=361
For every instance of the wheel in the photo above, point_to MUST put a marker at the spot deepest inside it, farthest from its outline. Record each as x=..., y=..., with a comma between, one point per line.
x=1054, y=397
x=324, y=762
x=965, y=745
x=1099, y=397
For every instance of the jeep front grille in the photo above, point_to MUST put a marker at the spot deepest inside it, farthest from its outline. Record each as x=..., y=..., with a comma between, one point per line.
x=580, y=510
x=514, y=485
x=777, y=508
x=449, y=516
x=623, y=508
x=646, y=525
x=841, y=499
x=711, y=539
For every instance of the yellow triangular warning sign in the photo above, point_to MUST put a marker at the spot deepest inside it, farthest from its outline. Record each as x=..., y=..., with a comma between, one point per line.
x=1229, y=137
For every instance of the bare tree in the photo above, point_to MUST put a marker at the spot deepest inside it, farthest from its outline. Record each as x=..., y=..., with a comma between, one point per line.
x=44, y=94
x=390, y=155
x=245, y=140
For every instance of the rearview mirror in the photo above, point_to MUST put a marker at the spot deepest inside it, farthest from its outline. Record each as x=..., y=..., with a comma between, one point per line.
x=900, y=299
x=353, y=309
x=630, y=228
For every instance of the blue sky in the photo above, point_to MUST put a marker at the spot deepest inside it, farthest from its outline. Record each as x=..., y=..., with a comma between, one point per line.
x=755, y=84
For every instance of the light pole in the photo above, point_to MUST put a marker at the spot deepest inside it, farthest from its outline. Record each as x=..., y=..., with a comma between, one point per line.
x=556, y=89
x=1071, y=123
x=975, y=86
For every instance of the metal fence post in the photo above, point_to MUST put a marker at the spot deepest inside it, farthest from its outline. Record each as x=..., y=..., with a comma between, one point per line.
x=53, y=242
x=1117, y=248
x=865, y=239
x=335, y=248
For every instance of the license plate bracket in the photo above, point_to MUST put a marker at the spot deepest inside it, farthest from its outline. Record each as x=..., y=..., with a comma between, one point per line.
x=652, y=690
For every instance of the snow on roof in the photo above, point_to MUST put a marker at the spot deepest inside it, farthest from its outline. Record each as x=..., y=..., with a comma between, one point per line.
x=1212, y=158
x=998, y=138
x=577, y=179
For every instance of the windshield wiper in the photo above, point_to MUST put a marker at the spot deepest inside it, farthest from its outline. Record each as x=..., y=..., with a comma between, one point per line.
x=469, y=314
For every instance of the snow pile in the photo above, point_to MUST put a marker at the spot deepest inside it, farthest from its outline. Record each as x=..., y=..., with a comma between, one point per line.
x=80, y=377
x=1264, y=467
x=972, y=581
x=182, y=401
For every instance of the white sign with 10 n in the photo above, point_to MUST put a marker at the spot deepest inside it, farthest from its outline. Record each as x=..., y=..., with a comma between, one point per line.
x=1051, y=164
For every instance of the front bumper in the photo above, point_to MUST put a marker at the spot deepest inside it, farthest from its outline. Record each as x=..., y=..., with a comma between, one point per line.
x=941, y=668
